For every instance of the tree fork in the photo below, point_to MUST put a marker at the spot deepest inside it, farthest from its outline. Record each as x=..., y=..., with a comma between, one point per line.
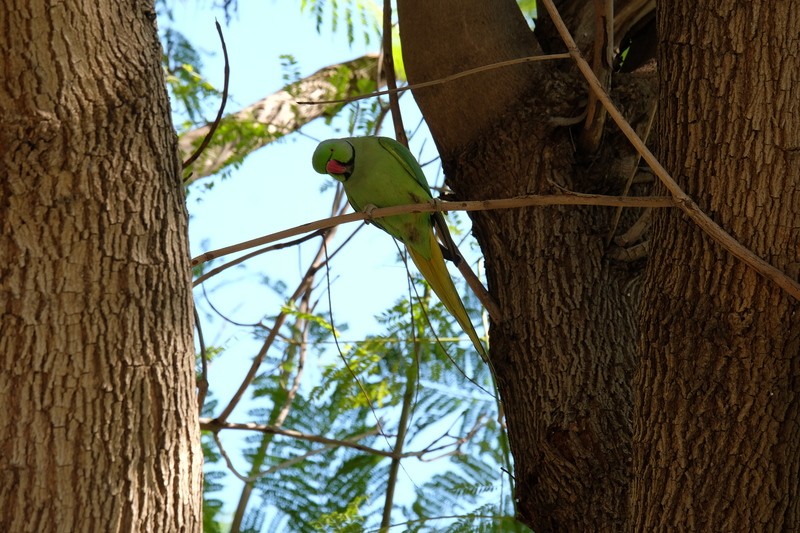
x=564, y=353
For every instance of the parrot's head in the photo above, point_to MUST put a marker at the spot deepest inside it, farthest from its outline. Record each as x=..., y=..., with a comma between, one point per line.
x=334, y=157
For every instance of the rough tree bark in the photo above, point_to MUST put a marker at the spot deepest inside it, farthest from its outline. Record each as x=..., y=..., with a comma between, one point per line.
x=98, y=430
x=564, y=352
x=716, y=407
x=716, y=443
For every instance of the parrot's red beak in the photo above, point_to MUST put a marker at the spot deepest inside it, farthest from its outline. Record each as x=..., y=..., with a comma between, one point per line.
x=335, y=167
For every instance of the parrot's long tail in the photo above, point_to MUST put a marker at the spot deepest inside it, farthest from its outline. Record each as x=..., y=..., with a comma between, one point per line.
x=435, y=272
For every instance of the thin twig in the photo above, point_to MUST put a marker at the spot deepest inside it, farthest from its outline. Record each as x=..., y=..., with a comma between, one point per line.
x=440, y=81
x=231, y=321
x=457, y=445
x=438, y=205
x=202, y=383
x=299, y=458
x=215, y=426
x=447, y=517
x=439, y=340
x=304, y=285
x=391, y=76
x=215, y=124
x=339, y=348
x=256, y=364
x=234, y=262
x=227, y=458
x=682, y=200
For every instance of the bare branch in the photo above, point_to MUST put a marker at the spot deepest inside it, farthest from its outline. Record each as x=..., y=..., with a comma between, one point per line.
x=300, y=458
x=440, y=81
x=636, y=231
x=391, y=78
x=215, y=426
x=202, y=382
x=304, y=285
x=438, y=205
x=227, y=458
x=634, y=170
x=280, y=246
x=628, y=255
x=211, y=129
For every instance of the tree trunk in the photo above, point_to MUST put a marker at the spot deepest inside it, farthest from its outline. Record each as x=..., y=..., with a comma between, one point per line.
x=98, y=429
x=564, y=352
x=716, y=443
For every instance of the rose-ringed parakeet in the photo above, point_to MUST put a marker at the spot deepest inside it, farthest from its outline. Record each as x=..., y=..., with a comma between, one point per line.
x=380, y=172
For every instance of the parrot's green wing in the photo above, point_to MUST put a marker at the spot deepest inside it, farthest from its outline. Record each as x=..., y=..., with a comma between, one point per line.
x=407, y=161
x=431, y=262
x=386, y=174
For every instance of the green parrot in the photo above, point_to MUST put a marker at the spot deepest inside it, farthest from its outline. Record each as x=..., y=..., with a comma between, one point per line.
x=381, y=172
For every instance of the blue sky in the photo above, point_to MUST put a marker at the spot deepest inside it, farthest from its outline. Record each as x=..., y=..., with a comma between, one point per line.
x=276, y=188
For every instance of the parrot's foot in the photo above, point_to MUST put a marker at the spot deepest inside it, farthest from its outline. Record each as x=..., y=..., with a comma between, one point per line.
x=368, y=209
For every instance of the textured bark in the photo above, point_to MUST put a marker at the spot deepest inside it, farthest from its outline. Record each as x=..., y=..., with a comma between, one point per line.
x=564, y=354
x=98, y=430
x=716, y=442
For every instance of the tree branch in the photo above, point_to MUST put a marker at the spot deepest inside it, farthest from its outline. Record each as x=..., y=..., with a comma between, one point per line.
x=602, y=60
x=214, y=125
x=447, y=36
x=276, y=115
x=438, y=205
x=215, y=426
x=389, y=73
x=304, y=285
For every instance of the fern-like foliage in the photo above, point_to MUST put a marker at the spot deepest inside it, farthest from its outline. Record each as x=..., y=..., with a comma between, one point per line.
x=357, y=16
x=338, y=488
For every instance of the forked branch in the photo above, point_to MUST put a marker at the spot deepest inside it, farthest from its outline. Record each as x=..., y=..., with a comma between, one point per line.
x=682, y=200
